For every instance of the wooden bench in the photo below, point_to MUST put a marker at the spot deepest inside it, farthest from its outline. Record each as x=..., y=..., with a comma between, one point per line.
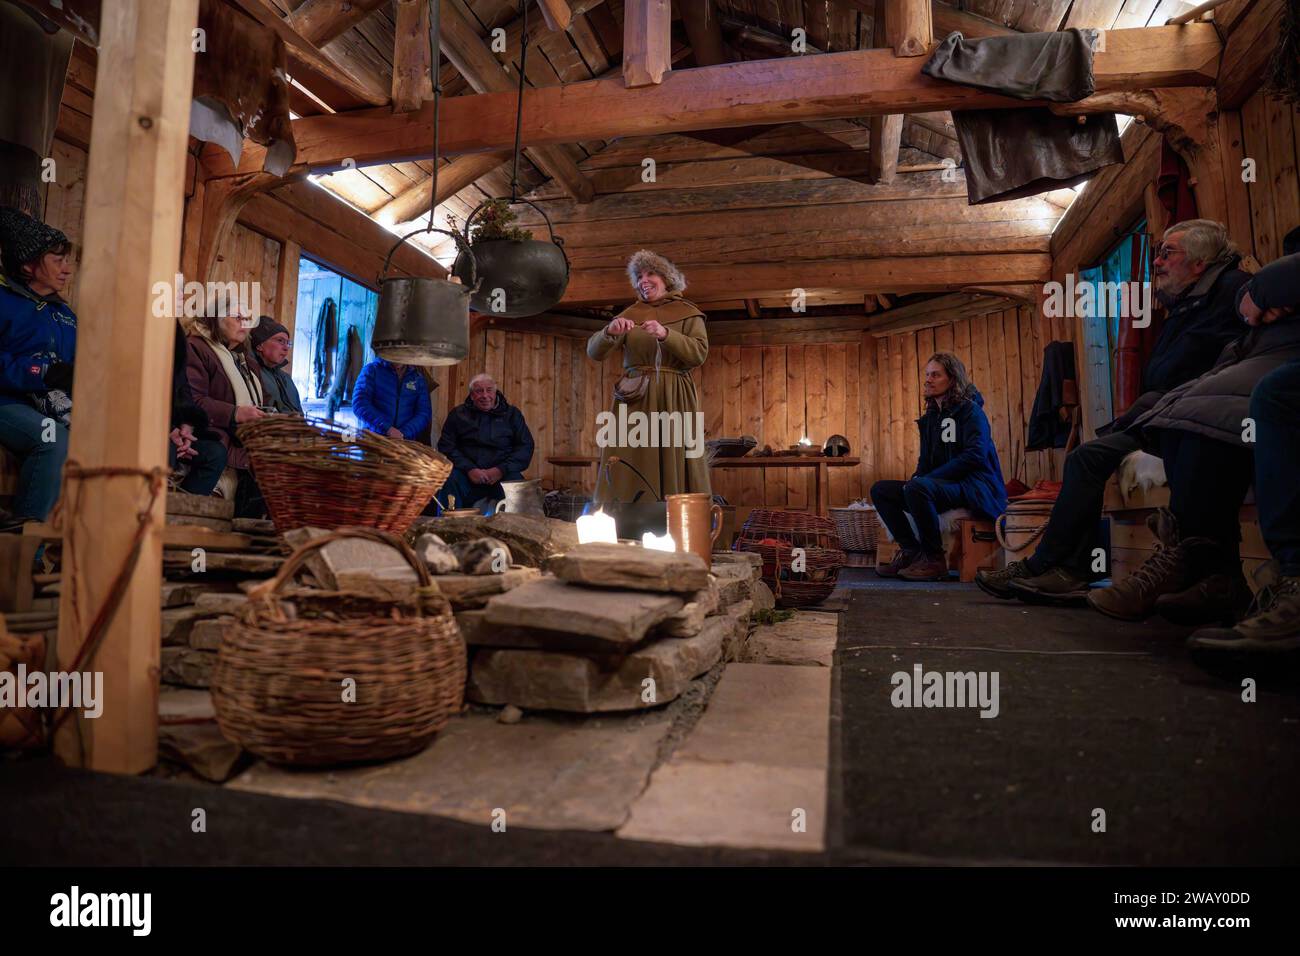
x=974, y=546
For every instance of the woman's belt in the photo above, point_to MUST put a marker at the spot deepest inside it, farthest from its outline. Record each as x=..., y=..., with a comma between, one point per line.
x=662, y=368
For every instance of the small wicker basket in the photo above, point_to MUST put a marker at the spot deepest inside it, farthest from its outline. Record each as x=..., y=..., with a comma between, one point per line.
x=280, y=686
x=823, y=556
x=314, y=473
x=858, y=528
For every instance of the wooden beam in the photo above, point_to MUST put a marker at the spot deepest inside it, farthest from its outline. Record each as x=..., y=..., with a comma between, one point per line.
x=948, y=19
x=703, y=31
x=412, y=65
x=1247, y=52
x=778, y=280
x=462, y=171
x=647, y=42
x=557, y=14
x=752, y=309
x=367, y=88
x=319, y=21
x=286, y=285
x=907, y=27
x=481, y=69
x=942, y=311
x=886, y=138
x=223, y=198
x=135, y=185
x=764, y=92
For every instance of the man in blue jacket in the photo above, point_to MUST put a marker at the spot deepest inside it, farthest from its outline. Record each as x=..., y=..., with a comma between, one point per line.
x=38, y=346
x=958, y=468
x=392, y=400
x=488, y=442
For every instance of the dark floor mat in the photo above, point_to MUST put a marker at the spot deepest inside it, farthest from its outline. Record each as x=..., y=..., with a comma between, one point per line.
x=1094, y=715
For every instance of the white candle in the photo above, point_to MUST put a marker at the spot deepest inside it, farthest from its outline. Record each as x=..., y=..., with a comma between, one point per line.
x=597, y=527
x=656, y=543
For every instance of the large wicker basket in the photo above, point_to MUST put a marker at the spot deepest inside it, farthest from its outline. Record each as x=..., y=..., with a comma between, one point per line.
x=316, y=678
x=823, y=555
x=315, y=473
x=857, y=528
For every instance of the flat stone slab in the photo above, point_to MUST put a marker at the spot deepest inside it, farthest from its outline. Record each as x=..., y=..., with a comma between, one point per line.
x=205, y=635
x=622, y=617
x=177, y=622
x=739, y=614
x=184, y=704
x=187, y=667
x=690, y=619
x=218, y=602
x=531, y=539
x=808, y=639
x=750, y=771
x=356, y=556
x=554, y=773
x=201, y=748
x=547, y=680
x=478, y=633
x=182, y=503
x=630, y=567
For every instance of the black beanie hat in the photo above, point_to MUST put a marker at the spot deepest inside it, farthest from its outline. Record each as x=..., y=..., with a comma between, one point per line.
x=24, y=239
x=266, y=327
x=1276, y=286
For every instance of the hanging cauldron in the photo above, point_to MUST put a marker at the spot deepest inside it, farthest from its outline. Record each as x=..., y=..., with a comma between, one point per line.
x=517, y=277
x=424, y=321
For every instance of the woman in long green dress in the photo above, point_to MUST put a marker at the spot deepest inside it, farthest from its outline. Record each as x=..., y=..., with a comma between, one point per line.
x=662, y=330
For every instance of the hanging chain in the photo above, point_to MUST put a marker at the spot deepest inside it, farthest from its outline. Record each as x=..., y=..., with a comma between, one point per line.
x=435, y=77
x=519, y=107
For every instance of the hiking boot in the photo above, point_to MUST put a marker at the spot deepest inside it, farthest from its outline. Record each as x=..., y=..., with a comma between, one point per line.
x=1053, y=586
x=1165, y=572
x=926, y=568
x=900, y=560
x=1216, y=599
x=998, y=583
x=1272, y=625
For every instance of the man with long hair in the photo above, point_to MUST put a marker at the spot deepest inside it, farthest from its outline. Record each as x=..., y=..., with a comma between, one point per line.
x=958, y=468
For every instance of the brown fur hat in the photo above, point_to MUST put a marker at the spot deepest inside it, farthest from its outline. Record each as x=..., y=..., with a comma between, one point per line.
x=643, y=260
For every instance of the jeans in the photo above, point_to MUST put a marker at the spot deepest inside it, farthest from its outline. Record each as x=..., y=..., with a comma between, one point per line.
x=41, y=447
x=1072, y=530
x=924, y=499
x=467, y=493
x=1275, y=407
x=205, y=468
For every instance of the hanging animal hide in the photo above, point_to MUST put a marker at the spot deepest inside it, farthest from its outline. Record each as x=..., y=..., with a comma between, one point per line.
x=241, y=87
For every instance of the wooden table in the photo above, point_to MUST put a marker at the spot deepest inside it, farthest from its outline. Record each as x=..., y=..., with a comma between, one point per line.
x=821, y=477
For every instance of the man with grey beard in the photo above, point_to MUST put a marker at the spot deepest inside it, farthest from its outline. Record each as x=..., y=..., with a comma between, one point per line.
x=1197, y=276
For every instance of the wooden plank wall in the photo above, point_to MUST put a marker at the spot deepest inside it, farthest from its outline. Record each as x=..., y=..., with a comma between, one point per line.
x=867, y=390
x=1269, y=132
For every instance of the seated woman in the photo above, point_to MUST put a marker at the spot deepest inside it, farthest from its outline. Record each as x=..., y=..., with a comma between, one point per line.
x=192, y=444
x=958, y=468
x=229, y=391
x=38, y=345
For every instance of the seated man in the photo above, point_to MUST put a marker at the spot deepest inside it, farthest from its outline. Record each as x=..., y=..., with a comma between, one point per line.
x=1204, y=433
x=1275, y=409
x=958, y=468
x=488, y=441
x=1196, y=278
x=270, y=341
x=38, y=346
x=392, y=400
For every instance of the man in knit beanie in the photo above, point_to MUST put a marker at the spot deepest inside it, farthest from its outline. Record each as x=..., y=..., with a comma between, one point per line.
x=270, y=344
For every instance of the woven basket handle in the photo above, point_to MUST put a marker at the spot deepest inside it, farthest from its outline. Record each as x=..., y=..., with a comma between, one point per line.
x=299, y=557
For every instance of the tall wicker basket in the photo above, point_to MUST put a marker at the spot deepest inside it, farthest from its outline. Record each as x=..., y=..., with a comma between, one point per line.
x=315, y=473
x=317, y=678
x=791, y=529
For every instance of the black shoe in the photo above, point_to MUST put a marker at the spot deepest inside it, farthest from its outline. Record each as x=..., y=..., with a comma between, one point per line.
x=998, y=583
x=1055, y=586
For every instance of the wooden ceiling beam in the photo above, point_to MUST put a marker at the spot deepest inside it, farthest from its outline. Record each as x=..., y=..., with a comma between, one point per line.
x=412, y=56
x=319, y=21
x=557, y=14
x=647, y=42
x=452, y=178
x=704, y=31
x=907, y=27
x=765, y=92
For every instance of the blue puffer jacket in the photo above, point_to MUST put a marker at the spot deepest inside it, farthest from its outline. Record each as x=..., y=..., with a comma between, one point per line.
x=34, y=333
x=971, y=460
x=496, y=439
x=380, y=402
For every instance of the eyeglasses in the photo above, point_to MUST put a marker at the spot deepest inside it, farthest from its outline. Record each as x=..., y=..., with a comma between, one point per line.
x=1166, y=251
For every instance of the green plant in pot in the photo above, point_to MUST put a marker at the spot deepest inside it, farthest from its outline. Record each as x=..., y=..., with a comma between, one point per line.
x=520, y=275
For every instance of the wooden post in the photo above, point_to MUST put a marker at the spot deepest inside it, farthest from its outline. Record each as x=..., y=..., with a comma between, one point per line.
x=703, y=31
x=647, y=41
x=134, y=192
x=908, y=28
x=286, y=285
x=412, y=83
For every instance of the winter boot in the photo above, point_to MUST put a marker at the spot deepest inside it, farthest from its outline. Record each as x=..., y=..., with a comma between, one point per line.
x=1217, y=591
x=998, y=583
x=1165, y=572
x=1271, y=627
x=927, y=567
x=1054, y=586
x=901, y=559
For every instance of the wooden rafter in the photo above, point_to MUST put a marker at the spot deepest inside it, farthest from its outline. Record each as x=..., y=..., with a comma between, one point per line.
x=647, y=41
x=703, y=30
x=854, y=83
x=557, y=14
x=412, y=64
x=319, y=21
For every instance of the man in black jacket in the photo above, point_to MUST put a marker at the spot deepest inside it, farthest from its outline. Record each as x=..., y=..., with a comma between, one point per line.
x=488, y=442
x=1196, y=278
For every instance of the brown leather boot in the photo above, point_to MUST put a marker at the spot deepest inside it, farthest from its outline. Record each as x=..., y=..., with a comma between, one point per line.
x=927, y=567
x=901, y=559
x=1165, y=572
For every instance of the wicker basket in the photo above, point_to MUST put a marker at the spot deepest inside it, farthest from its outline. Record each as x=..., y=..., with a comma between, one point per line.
x=313, y=473
x=822, y=552
x=858, y=528
x=279, y=689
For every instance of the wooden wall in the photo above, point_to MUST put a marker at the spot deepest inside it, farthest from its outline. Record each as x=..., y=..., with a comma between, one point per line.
x=1268, y=208
x=867, y=389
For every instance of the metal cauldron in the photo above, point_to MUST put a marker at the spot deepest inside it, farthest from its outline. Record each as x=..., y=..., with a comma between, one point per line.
x=530, y=274
x=424, y=321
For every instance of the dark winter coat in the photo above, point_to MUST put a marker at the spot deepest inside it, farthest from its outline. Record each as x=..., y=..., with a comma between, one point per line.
x=1217, y=403
x=35, y=332
x=971, y=460
x=185, y=411
x=278, y=388
x=380, y=402
x=214, y=394
x=496, y=439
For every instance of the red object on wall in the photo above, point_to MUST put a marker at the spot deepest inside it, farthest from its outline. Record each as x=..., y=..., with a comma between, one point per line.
x=1174, y=190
